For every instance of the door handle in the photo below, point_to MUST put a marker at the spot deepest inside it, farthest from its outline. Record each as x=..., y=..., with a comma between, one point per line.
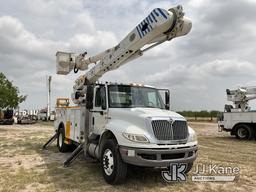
x=100, y=112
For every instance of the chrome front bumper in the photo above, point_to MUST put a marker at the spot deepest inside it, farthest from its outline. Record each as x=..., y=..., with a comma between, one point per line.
x=158, y=157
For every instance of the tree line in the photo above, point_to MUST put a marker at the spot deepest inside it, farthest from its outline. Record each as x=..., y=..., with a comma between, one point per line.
x=202, y=113
x=10, y=96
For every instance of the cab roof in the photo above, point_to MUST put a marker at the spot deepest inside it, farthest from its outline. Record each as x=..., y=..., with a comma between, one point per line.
x=126, y=84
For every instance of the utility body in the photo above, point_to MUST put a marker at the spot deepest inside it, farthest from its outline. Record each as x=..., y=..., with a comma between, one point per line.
x=239, y=119
x=120, y=124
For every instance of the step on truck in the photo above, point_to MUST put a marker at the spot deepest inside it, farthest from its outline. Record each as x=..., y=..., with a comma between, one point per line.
x=121, y=124
x=239, y=119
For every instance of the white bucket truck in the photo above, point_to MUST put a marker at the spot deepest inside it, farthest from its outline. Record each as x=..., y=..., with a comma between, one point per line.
x=121, y=124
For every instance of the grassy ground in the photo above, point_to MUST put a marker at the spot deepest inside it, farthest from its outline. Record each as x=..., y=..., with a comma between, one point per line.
x=25, y=167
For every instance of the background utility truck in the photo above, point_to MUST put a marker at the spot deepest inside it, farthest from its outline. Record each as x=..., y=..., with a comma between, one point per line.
x=239, y=119
x=6, y=117
x=121, y=124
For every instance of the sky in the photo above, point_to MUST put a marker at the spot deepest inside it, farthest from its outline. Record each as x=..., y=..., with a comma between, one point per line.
x=218, y=53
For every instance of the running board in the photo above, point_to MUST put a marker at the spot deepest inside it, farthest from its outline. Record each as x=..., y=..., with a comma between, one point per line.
x=74, y=155
x=53, y=138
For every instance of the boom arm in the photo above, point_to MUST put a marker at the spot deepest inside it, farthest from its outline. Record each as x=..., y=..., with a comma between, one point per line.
x=241, y=96
x=159, y=26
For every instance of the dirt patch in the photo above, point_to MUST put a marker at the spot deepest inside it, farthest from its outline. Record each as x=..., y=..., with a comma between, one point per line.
x=26, y=167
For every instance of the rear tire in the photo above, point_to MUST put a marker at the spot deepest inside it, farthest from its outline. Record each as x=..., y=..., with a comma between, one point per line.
x=114, y=170
x=62, y=146
x=244, y=132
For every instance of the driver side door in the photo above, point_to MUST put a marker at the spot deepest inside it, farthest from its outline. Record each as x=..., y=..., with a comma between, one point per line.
x=99, y=112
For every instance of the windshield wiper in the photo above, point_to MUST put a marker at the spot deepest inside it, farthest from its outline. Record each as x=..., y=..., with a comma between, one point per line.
x=148, y=106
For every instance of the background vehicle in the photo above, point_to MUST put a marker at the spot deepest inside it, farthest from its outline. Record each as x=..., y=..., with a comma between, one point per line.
x=239, y=119
x=121, y=124
x=6, y=117
x=52, y=116
x=42, y=115
x=27, y=119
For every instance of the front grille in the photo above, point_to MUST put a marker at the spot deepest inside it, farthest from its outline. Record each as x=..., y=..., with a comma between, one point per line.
x=148, y=156
x=173, y=156
x=180, y=130
x=166, y=130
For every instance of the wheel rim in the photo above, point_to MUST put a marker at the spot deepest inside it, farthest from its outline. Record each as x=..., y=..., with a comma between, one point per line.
x=108, y=162
x=242, y=132
x=60, y=139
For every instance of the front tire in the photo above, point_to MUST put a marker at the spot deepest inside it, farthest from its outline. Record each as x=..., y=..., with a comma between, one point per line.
x=62, y=146
x=244, y=132
x=189, y=167
x=114, y=170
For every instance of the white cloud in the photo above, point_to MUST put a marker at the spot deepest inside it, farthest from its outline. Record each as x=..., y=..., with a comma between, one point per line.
x=83, y=22
x=228, y=68
x=15, y=40
x=187, y=75
x=217, y=54
x=99, y=41
x=52, y=8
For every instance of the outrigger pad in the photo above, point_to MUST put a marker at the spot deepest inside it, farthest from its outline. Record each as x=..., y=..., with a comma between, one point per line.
x=79, y=150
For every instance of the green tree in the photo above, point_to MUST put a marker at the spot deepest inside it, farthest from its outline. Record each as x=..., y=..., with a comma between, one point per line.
x=214, y=113
x=9, y=94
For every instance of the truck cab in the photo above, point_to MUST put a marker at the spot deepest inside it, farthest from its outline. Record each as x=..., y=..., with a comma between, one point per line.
x=127, y=124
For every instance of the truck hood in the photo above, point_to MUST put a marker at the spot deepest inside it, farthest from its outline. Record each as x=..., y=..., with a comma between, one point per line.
x=143, y=113
x=136, y=120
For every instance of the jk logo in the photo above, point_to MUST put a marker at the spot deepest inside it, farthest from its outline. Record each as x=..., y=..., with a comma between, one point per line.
x=176, y=173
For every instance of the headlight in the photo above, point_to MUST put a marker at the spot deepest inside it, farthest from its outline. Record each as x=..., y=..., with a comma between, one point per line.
x=136, y=137
x=192, y=137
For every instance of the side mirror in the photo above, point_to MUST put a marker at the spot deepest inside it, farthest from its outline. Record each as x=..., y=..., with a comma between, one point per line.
x=89, y=97
x=78, y=94
x=167, y=99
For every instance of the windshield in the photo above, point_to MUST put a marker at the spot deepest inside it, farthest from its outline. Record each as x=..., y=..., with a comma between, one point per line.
x=124, y=96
